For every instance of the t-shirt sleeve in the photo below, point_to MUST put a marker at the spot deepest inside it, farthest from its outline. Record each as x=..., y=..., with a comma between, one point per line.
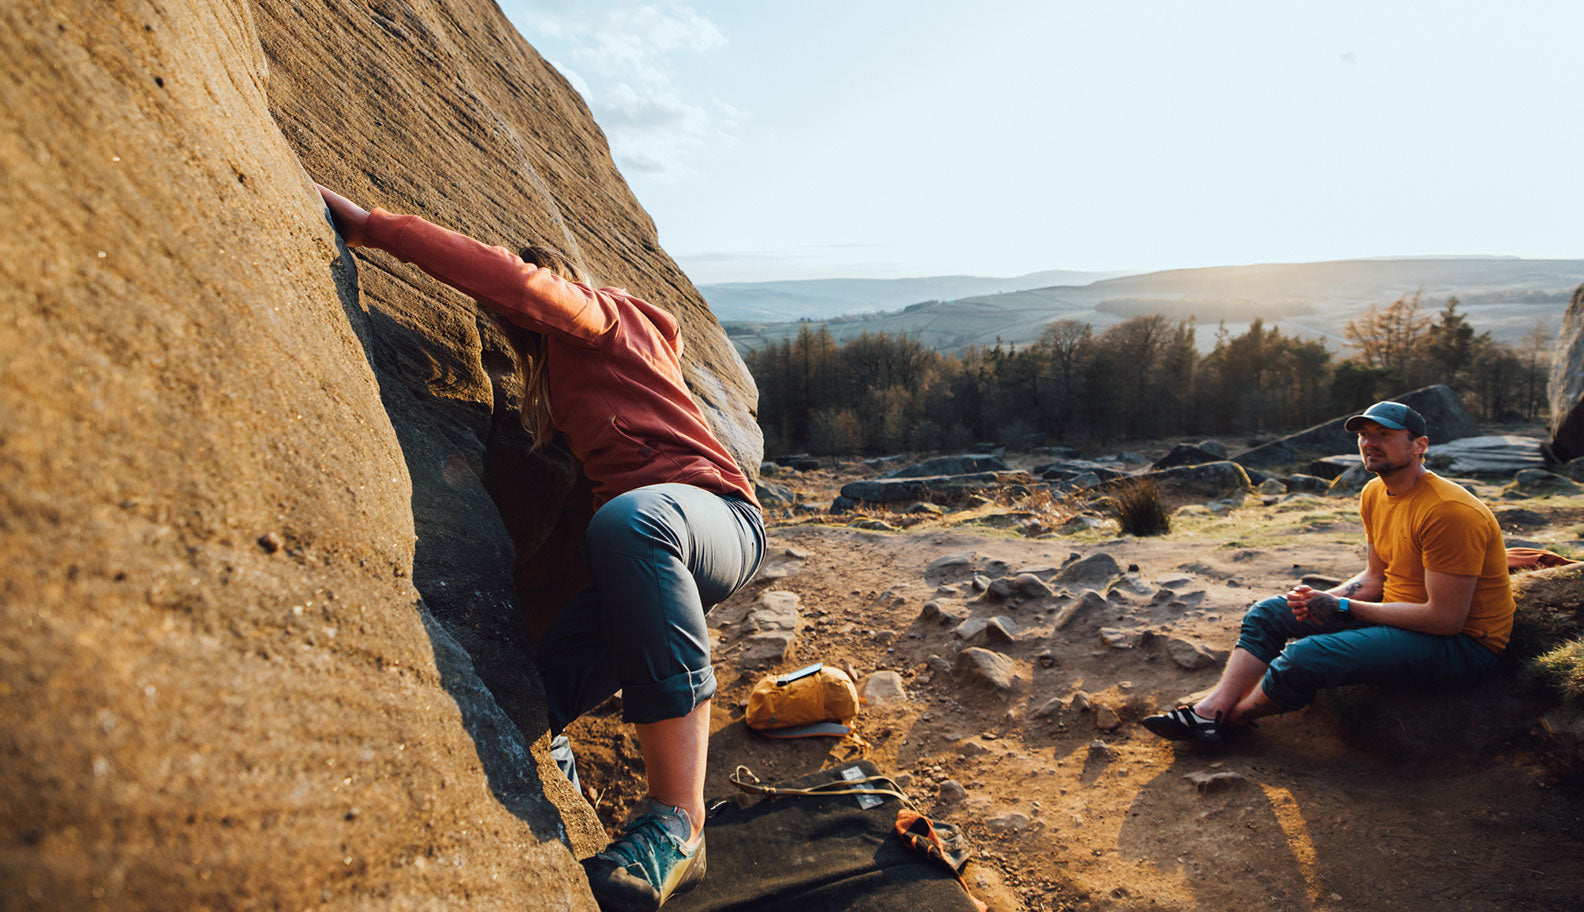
x=536, y=299
x=1366, y=506
x=1454, y=540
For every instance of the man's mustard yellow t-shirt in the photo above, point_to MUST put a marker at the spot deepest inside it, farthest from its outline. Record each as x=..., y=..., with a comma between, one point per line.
x=1438, y=525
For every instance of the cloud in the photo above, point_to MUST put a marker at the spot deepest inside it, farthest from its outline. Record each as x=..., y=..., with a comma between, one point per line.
x=620, y=56
x=640, y=163
x=641, y=108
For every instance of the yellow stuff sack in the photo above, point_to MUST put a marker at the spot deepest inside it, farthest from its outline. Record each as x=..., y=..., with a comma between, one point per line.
x=810, y=701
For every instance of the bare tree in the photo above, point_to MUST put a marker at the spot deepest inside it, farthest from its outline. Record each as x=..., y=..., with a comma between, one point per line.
x=1386, y=339
x=1539, y=348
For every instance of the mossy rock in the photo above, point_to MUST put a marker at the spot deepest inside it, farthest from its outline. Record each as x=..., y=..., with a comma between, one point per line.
x=1550, y=610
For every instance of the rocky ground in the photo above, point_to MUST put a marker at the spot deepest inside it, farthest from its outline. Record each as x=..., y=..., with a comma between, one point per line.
x=1369, y=800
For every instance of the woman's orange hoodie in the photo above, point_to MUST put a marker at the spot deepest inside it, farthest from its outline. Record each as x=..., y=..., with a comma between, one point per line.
x=612, y=362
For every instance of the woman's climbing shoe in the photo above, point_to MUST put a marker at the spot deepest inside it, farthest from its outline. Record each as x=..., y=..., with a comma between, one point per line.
x=648, y=863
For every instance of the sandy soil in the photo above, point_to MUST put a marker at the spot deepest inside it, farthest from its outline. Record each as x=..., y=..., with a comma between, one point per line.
x=1369, y=800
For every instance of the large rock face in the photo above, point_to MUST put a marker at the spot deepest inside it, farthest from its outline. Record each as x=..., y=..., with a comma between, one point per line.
x=1445, y=415
x=261, y=644
x=443, y=110
x=1566, y=388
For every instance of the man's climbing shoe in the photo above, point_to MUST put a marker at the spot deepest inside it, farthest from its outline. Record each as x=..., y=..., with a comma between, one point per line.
x=1183, y=724
x=648, y=862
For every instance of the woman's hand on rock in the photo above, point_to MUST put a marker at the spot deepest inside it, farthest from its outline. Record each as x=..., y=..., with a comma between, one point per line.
x=351, y=220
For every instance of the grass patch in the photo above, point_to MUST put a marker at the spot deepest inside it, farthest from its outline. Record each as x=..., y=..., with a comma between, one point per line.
x=1563, y=669
x=1548, y=629
x=1318, y=520
x=1138, y=508
x=1328, y=516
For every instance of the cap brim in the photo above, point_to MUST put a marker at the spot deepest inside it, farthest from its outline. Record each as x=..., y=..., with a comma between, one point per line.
x=1352, y=424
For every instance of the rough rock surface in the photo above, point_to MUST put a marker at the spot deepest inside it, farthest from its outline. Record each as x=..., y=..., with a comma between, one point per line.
x=1030, y=585
x=1439, y=405
x=1566, y=388
x=935, y=487
x=1300, y=483
x=1095, y=570
x=966, y=464
x=1074, y=469
x=1088, y=601
x=1190, y=655
x=443, y=110
x=884, y=687
x=950, y=567
x=1351, y=482
x=770, y=628
x=1186, y=454
x=1537, y=482
x=1211, y=781
x=1210, y=479
x=263, y=647
x=1499, y=454
x=985, y=668
x=1333, y=467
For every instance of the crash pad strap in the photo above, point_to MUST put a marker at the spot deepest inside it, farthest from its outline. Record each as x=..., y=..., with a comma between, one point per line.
x=744, y=778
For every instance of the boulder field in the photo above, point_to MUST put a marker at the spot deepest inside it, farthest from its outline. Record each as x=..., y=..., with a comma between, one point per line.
x=275, y=545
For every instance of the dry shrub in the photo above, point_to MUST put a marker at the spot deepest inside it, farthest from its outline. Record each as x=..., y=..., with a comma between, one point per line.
x=1137, y=506
x=1041, y=500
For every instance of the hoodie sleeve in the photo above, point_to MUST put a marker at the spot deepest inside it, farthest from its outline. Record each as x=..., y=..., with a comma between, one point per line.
x=533, y=298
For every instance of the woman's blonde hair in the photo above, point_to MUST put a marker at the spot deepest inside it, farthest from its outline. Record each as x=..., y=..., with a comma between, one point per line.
x=536, y=418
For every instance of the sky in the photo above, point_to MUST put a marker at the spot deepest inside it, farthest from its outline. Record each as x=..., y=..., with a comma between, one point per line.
x=889, y=138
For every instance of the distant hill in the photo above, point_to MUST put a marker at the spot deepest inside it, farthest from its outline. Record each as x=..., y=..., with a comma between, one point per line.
x=1504, y=295
x=823, y=299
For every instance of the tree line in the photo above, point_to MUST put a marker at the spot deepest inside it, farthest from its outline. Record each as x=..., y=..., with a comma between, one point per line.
x=1143, y=377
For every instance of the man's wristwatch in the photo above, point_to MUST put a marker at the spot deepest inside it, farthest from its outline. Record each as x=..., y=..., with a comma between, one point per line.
x=1344, y=606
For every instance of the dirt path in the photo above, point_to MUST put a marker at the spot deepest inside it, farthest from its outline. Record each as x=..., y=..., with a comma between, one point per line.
x=1368, y=801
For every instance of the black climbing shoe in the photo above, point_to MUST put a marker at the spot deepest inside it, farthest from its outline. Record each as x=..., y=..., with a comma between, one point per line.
x=1183, y=724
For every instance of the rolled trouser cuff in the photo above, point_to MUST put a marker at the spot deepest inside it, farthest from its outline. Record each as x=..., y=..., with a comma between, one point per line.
x=1288, y=698
x=670, y=698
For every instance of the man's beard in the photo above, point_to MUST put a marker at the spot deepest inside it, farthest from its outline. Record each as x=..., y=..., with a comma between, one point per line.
x=1385, y=467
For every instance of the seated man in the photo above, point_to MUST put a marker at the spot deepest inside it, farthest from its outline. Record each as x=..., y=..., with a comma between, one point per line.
x=1432, y=605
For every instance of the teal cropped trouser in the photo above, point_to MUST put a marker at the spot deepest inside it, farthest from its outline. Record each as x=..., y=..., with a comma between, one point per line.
x=660, y=556
x=1305, y=657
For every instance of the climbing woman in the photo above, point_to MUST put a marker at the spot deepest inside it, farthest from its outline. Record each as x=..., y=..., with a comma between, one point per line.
x=677, y=527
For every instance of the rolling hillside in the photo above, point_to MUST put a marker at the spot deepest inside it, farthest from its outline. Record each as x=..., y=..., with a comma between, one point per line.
x=823, y=299
x=1506, y=296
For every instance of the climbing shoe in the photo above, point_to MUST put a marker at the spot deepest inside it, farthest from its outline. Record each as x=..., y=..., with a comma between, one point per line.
x=1183, y=724
x=648, y=862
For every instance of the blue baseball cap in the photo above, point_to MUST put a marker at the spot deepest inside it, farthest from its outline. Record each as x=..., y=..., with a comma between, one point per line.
x=1393, y=415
